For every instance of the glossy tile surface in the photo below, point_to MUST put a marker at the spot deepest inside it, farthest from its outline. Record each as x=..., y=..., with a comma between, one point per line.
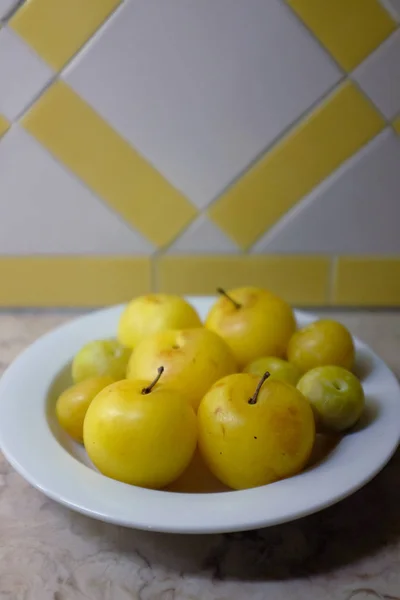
x=203, y=237
x=301, y=280
x=23, y=75
x=310, y=152
x=56, y=29
x=379, y=76
x=349, y=211
x=199, y=111
x=6, y=8
x=393, y=7
x=230, y=141
x=72, y=281
x=367, y=281
x=87, y=145
x=349, y=29
x=53, y=212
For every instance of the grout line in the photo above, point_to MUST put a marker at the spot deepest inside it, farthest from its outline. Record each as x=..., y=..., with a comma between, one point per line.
x=346, y=76
x=283, y=134
x=279, y=138
x=53, y=156
x=12, y=11
x=159, y=252
x=58, y=74
x=166, y=247
x=104, y=203
x=355, y=82
x=36, y=97
x=375, y=106
x=99, y=31
x=387, y=5
x=297, y=121
x=200, y=213
x=392, y=12
x=310, y=32
x=311, y=196
x=306, y=196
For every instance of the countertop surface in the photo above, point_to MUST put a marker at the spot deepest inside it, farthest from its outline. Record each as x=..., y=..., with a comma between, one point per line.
x=351, y=550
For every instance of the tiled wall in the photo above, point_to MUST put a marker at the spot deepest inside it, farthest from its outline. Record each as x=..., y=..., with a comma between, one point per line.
x=178, y=145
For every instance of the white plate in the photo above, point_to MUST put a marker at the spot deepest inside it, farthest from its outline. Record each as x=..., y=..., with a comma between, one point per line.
x=34, y=444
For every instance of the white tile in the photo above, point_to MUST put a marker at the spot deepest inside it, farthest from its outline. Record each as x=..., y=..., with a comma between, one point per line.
x=6, y=7
x=22, y=74
x=379, y=76
x=355, y=211
x=203, y=237
x=201, y=88
x=46, y=210
x=396, y=8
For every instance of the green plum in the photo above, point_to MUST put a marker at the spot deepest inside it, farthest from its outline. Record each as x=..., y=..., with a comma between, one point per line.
x=101, y=358
x=277, y=367
x=336, y=397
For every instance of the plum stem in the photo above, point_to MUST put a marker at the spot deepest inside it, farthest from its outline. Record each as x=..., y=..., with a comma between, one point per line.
x=253, y=399
x=224, y=293
x=148, y=389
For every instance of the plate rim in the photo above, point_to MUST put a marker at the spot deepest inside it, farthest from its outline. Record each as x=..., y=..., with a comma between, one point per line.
x=13, y=449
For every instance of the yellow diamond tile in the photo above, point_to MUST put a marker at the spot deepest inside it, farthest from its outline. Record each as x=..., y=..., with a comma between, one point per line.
x=56, y=29
x=301, y=280
x=75, y=281
x=367, y=281
x=4, y=125
x=69, y=128
x=310, y=152
x=349, y=29
x=396, y=125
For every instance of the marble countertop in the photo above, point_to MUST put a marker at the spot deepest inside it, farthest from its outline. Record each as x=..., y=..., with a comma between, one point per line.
x=351, y=550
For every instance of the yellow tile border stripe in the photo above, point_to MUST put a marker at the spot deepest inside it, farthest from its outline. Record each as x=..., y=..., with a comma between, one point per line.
x=72, y=281
x=85, y=143
x=329, y=135
x=349, y=29
x=301, y=280
x=4, y=125
x=57, y=29
x=367, y=281
x=396, y=124
x=96, y=281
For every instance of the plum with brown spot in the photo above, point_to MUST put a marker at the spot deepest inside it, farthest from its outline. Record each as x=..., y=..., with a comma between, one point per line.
x=254, y=431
